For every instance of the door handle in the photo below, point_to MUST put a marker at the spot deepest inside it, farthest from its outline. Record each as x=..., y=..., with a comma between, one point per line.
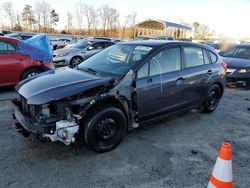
x=209, y=72
x=180, y=80
x=20, y=59
x=149, y=80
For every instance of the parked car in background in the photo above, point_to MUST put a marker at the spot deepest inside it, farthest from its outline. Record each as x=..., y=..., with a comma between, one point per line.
x=238, y=61
x=118, y=89
x=103, y=38
x=15, y=66
x=146, y=37
x=58, y=43
x=78, y=52
x=62, y=45
x=2, y=33
x=20, y=36
x=217, y=46
x=166, y=38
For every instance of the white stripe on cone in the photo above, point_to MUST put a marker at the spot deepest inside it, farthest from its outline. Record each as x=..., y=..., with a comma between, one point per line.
x=223, y=170
x=210, y=185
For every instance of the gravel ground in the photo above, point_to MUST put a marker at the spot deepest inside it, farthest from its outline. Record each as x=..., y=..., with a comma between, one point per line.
x=178, y=152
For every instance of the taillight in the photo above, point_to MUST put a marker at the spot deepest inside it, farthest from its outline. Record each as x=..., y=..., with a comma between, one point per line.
x=224, y=65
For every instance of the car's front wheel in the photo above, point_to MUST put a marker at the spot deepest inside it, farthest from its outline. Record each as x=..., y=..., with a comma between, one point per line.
x=104, y=129
x=30, y=73
x=212, y=100
x=76, y=60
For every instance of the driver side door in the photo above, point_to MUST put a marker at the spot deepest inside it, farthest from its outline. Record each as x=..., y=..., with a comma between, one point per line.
x=159, y=89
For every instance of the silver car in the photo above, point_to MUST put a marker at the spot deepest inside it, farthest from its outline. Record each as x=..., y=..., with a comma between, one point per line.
x=79, y=51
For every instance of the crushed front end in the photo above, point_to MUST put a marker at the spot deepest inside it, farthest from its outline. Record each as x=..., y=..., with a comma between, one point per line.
x=53, y=120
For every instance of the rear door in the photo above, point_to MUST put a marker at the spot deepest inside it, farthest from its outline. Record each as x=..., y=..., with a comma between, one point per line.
x=10, y=65
x=196, y=74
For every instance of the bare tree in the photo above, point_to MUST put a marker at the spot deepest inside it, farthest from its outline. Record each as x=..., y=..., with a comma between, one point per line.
x=42, y=14
x=104, y=14
x=113, y=18
x=38, y=14
x=8, y=9
x=69, y=21
x=86, y=10
x=46, y=10
x=196, y=26
x=18, y=25
x=78, y=17
x=109, y=18
x=204, y=31
x=132, y=22
x=94, y=18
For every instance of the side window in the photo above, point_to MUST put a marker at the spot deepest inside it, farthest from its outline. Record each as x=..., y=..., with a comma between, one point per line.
x=3, y=48
x=6, y=48
x=168, y=60
x=143, y=71
x=213, y=57
x=107, y=44
x=206, y=58
x=193, y=56
x=98, y=45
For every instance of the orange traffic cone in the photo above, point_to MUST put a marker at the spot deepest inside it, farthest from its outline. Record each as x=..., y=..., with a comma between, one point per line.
x=222, y=176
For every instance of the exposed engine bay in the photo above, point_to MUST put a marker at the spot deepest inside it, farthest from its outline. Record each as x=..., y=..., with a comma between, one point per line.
x=60, y=120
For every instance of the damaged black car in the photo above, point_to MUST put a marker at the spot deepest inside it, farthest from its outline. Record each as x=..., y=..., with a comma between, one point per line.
x=120, y=88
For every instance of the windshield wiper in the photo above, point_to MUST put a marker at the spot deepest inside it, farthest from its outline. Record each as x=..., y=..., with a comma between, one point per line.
x=87, y=69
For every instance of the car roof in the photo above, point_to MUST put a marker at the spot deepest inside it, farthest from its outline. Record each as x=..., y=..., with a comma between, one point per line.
x=9, y=39
x=155, y=43
x=98, y=40
x=243, y=45
x=21, y=34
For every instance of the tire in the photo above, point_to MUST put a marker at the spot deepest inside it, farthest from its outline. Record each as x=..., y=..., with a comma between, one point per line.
x=76, y=60
x=29, y=73
x=55, y=47
x=104, y=129
x=212, y=100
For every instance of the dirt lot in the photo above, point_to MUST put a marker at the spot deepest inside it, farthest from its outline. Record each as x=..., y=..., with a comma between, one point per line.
x=178, y=152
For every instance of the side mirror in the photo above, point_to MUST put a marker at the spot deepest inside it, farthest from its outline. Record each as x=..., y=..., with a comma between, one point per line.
x=91, y=48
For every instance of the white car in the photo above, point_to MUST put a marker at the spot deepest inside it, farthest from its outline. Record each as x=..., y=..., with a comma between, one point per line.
x=79, y=51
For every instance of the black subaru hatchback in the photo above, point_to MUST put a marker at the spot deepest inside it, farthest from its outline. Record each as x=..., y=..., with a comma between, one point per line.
x=120, y=88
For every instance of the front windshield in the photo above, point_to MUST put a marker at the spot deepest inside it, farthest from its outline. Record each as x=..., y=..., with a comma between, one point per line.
x=117, y=59
x=238, y=52
x=81, y=44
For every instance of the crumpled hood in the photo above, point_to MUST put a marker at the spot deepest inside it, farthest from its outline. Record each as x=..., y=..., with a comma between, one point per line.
x=58, y=84
x=236, y=62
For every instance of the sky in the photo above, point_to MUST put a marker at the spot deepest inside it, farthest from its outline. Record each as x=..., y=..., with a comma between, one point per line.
x=230, y=17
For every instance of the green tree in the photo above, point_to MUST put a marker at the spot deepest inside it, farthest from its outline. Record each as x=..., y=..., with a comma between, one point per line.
x=28, y=16
x=54, y=18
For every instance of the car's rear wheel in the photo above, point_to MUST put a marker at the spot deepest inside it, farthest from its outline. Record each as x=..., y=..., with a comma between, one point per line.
x=212, y=100
x=30, y=73
x=76, y=60
x=104, y=129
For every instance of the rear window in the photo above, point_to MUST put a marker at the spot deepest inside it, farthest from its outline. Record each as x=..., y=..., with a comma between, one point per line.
x=206, y=58
x=6, y=48
x=193, y=56
x=213, y=57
